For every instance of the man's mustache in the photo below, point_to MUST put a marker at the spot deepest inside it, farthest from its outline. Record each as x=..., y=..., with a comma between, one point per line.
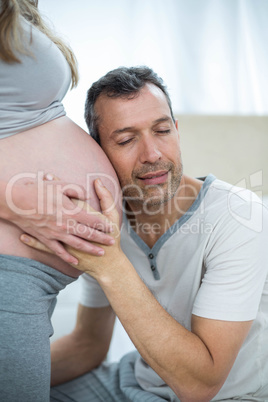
x=152, y=168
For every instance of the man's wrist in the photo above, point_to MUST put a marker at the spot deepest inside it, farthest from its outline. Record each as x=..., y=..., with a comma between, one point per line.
x=119, y=268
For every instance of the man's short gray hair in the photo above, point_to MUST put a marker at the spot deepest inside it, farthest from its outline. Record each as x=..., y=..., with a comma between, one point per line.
x=123, y=82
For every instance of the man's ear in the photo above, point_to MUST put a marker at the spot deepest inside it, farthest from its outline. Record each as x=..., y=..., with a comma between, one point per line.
x=176, y=125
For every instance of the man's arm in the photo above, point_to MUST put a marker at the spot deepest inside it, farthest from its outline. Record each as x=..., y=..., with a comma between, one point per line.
x=193, y=363
x=85, y=348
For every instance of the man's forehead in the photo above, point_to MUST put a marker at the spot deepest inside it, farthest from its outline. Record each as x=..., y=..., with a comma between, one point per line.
x=150, y=95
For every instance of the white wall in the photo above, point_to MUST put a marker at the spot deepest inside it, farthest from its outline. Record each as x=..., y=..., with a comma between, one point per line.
x=212, y=54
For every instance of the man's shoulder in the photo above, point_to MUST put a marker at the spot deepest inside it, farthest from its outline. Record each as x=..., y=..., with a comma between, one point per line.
x=227, y=194
x=227, y=202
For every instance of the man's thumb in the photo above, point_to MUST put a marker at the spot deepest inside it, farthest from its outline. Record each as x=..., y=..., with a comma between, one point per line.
x=106, y=201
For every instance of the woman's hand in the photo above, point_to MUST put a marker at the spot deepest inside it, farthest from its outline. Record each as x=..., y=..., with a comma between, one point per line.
x=96, y=266
x=53, y=215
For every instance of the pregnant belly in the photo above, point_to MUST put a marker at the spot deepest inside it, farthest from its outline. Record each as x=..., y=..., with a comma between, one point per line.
x=64, y=149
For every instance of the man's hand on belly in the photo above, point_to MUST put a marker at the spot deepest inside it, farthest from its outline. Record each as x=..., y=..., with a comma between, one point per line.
x=53, y=214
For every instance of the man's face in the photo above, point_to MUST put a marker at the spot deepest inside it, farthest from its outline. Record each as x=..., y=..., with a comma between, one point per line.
x=141, y=140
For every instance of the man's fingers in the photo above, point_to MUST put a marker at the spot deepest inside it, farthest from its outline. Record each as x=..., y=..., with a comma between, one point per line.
x=55, y=248
x=90, y=234
x=106, y=201
x=76, y=244
x=93, y=218
x=34, y=243
x=59, y=250
x=108, y=206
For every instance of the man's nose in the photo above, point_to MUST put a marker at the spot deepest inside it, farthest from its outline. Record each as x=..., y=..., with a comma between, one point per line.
x=150, y=151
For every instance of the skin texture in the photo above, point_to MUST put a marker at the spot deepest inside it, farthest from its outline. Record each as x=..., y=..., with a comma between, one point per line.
x=193, y=363
x=63, y=148
x=86, y=347
x=136, y=150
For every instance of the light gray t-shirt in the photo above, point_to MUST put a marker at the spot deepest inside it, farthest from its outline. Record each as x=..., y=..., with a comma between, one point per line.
x=213, y=262
x=31, y=91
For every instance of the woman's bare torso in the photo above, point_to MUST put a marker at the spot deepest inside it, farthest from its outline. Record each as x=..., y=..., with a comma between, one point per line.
x=59, y=147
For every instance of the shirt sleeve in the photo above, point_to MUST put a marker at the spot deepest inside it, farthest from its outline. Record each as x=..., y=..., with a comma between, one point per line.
x=91, y=294
x=236, y=262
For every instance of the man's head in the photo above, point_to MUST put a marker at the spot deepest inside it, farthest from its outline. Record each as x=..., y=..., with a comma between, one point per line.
x=123, y=82
x=133, y=118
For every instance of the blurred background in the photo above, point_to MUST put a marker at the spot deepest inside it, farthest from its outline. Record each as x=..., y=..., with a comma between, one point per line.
x=213, y=57
x=212, y=54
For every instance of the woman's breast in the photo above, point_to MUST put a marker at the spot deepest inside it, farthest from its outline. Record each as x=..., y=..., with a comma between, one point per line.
x=64, y=149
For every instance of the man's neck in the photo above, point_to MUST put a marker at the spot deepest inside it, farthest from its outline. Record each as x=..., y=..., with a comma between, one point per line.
x=151, y=224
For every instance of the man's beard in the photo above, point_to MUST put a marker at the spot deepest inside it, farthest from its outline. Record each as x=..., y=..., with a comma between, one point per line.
x=151, y=197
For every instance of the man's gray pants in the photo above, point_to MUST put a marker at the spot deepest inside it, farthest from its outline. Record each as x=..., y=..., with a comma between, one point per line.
x=109, y=383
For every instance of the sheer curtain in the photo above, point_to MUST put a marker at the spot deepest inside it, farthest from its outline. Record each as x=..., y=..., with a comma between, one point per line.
x=212, y=54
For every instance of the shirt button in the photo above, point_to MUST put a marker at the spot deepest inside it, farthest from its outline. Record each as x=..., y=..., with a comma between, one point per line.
x=152, y=267
x=151, y=256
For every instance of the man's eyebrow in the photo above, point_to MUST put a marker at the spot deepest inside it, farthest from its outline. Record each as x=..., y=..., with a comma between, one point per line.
x=132, y=128
x=122, y=130
x=163, y=120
